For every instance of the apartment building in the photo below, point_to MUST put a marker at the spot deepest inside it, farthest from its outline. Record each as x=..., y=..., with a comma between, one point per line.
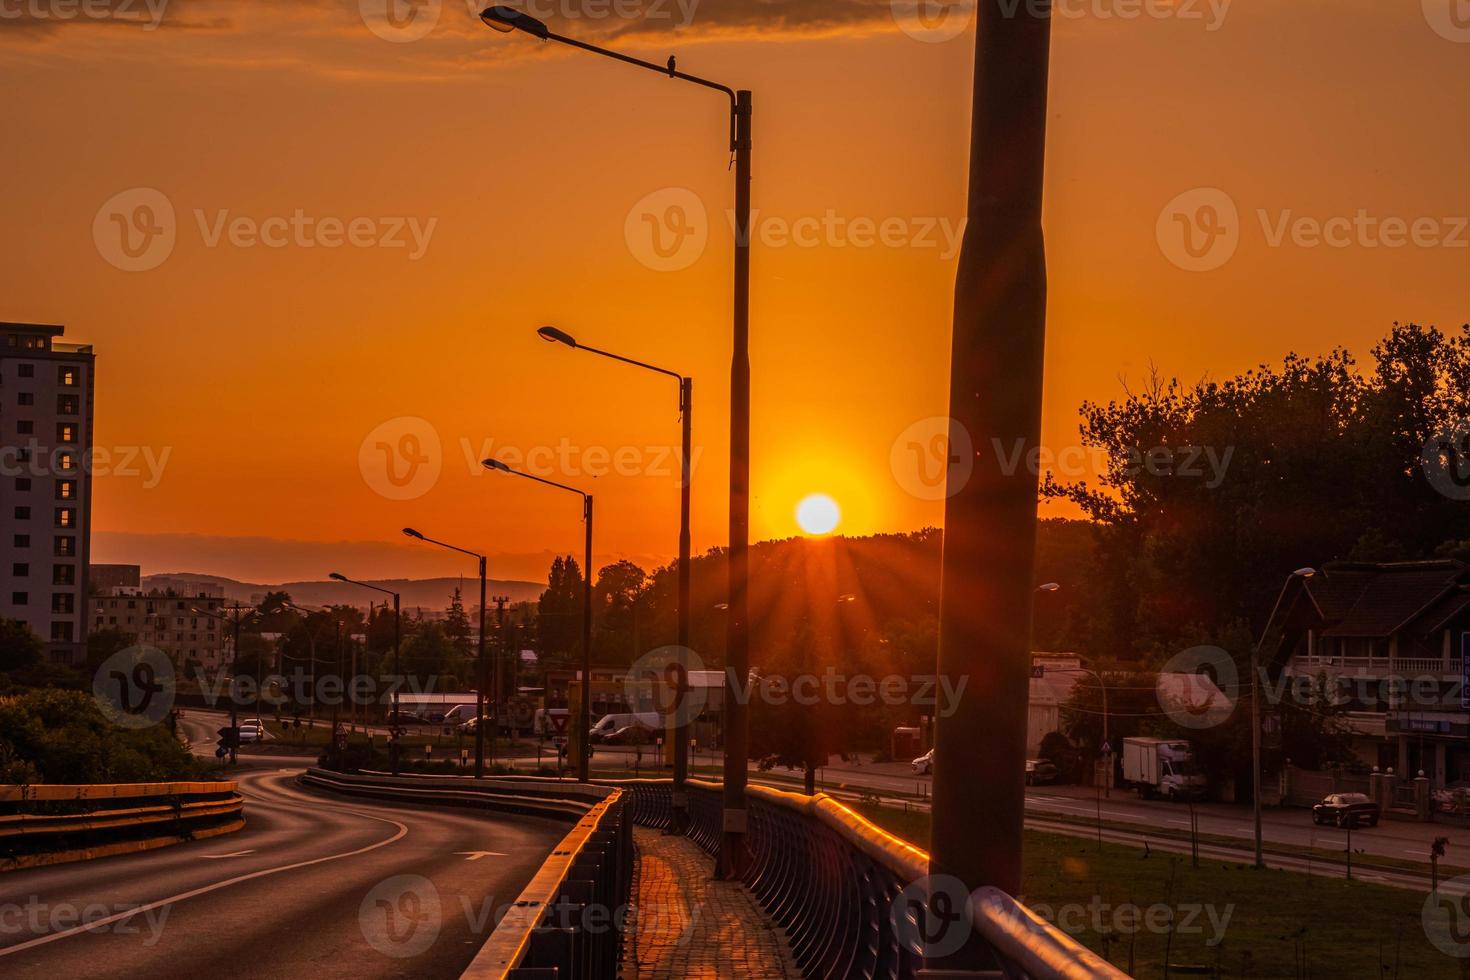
x=46, y=401
x=187, y=628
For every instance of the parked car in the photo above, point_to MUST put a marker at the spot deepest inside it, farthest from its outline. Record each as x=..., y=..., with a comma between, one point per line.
x=403, y=717
x=1453, y=797
x=924, y=764
x=1040, y=771
x=1346, y=810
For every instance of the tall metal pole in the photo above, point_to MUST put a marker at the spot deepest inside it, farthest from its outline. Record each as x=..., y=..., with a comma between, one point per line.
x=235, y=701
x=1256, y=749
x=990, y=522
x=480, y=688
x=397, y=673
x=584, y=761
x=680, y=820
x=731, y=861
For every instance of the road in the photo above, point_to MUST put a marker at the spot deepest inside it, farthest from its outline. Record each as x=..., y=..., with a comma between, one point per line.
x=315, y=885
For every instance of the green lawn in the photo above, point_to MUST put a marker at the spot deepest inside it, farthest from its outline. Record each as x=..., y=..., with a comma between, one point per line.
x=1276, y=919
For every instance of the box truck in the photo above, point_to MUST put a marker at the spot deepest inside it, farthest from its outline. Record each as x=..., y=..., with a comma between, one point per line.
x=1161, y=767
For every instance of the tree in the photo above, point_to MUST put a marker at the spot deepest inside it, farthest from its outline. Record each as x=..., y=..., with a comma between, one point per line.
x=617, y=604
x=104, y=643
x=19, y=647
x=559, y=610
x=457, y=623
x=1214, y=491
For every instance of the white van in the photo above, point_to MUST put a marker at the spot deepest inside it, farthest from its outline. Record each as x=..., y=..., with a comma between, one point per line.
x=607, y=724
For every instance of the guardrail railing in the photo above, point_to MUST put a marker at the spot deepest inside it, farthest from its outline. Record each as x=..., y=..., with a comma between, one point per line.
x=847, y=893
x=50, y=824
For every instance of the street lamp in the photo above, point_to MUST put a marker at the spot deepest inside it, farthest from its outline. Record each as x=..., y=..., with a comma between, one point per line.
x=584, y=723
x=732, y=856
x=686, y=411
x=480, y=662
x=1300, y=575
x=397, y=636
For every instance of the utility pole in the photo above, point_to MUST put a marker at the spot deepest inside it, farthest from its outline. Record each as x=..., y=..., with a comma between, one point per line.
x=501, y=649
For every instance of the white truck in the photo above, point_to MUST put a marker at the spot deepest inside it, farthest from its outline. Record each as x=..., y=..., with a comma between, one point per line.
x=1161, y=767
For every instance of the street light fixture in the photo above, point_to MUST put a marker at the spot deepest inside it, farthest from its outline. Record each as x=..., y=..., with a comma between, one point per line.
x=397, y=637
x=480, y=662
x=584, y=723
x=686, y=412
x=1300, y=575
x=732, y=855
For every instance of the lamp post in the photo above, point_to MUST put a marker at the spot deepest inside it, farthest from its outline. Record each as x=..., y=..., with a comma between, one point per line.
x=311, y=649
x=686, y=411
x=479, y=662
x=732, y=856
x=397, y=637
x=1300, y=575
x=996, y=365
x=584, y=723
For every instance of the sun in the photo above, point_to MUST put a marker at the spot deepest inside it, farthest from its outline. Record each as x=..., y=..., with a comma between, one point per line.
x=818, y=514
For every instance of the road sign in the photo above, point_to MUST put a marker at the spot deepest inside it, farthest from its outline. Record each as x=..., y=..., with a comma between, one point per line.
x=340, y=737
x=1038, y=672
x=559, y=722
x=1107, y=748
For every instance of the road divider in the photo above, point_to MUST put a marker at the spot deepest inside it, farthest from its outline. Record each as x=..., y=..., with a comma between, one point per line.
x=56, y=824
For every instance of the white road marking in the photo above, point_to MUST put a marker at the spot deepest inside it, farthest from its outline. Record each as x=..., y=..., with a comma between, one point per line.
x=206, y=889
x=234, y=854
x=476, y=855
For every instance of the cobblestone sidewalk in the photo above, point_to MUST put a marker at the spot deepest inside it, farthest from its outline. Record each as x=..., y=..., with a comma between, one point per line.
x=686, y=924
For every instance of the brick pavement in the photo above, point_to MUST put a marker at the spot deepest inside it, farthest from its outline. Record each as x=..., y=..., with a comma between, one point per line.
x=686, y=924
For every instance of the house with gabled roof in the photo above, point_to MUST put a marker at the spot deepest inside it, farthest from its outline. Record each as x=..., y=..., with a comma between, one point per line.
x=1391, y=638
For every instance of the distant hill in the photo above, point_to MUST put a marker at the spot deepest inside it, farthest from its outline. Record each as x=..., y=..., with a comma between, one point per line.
x=429, y=593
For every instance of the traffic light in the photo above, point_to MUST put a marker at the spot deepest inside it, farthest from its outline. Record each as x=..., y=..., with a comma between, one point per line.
x=229, y=738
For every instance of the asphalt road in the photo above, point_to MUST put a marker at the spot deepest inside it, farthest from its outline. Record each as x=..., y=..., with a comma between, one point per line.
x=315, y=885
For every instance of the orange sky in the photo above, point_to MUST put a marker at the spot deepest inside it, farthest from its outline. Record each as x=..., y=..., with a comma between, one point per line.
x=260, y=371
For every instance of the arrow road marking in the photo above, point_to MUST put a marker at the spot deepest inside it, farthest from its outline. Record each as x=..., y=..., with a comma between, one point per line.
x=476, y=855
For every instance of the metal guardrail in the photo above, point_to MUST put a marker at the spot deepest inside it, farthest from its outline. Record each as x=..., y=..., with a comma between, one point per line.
x=830, y=879
x=564, y=924
x=42, y=824
x=828, y=876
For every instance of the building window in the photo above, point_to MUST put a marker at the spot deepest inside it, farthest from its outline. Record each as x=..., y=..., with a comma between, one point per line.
x=61, y=632
x=22, y=513
x=66, y=489
x=66, y=517
x=63, y=603
x=25, y=370
x=19, y=598
x=63, y=575
x=22, y=484
x=66, y=547
x=66, y=432
x=66, y=376
x=66, y=404
x=22, y=541
x=20, y=569
x=25, y=427
x=25, y=399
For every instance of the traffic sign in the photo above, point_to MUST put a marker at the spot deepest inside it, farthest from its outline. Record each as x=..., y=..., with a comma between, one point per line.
x=1107, y=748
x=559, y=722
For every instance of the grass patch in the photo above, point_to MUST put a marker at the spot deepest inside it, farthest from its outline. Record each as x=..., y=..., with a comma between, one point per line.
x=1269, y=923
